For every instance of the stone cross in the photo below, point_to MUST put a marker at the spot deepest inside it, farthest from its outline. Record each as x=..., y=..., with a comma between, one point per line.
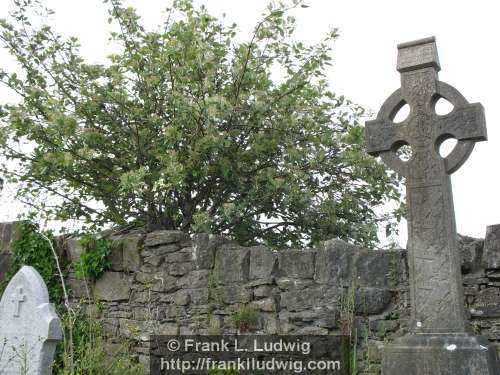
x=439, y=342
x=434, y=260
x=29, y=326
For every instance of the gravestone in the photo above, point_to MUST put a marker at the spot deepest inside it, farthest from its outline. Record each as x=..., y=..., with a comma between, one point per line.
x=439, y=342
x=29, y=326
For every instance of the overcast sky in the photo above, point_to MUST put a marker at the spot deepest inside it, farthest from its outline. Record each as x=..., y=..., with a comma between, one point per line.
x=364, y=61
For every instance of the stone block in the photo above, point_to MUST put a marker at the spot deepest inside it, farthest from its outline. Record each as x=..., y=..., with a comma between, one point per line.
x=74, y=249
x=199, y=297
x=371, y=300
x=116, y=255
x=492, y=247
x=440, y=355
x=335, y=263
x=204, y=249
x=232, y=265
x=180, y=269
x=262, y=291
x=182, y=298
x=194, y=279
x=310, y=299
x=232, y=294
x=486, y=303
x=6, y=236
x=184, y=256
x=297, y=264
x=163, y=237
x=472, y=253
x=164, y=283
x=78, y=288
x=263, y=263
x=268, y=305
x=154, y=260
x=131, y=245
x=374, y=267
x=112, y=286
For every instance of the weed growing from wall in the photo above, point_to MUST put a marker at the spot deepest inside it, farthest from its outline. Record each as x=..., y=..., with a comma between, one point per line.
x=94, y=259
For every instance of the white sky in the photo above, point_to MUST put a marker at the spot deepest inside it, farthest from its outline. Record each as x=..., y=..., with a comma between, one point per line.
x=363, y=66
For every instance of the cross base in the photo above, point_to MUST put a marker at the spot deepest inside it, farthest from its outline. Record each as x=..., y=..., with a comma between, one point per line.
x=440, y=354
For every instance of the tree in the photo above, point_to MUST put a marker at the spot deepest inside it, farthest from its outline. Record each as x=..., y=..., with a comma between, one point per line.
x=186, y=128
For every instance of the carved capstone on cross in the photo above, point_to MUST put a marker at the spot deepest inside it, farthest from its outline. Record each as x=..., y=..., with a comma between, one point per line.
x=434, y=261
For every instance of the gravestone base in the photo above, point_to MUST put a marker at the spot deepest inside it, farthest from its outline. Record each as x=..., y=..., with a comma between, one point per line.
x=440, y=354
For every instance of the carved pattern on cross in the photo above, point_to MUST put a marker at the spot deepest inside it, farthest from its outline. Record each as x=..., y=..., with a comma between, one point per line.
x=424, y=130
x=435, y=287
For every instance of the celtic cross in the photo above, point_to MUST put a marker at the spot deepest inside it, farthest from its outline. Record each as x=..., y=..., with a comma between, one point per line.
x=433, y=257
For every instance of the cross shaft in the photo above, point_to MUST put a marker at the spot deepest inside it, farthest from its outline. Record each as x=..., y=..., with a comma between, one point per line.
x=434, y=260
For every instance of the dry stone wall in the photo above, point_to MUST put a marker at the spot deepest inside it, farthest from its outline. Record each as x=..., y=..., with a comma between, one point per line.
x=165, y=282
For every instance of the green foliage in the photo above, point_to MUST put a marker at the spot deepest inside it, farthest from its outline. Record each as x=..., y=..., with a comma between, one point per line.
x=90, y=356
x=394, y=273
x=31, y=248
x=187, y=128
x=94, y=258
x=246, y=318
x=347, y=309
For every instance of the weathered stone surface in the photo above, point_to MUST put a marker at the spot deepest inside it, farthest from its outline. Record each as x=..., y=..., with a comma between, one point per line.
x=268, y=305
x=232, y=294
x=179, y=269
x=6, y=236
x=112, y=286
x=131, y=247
x=74, y=249
x=374, y=268
x=296, y=263
x=30, y=328
x=116, y=255
x=472, y=253
x=486, y=303
x=441, y=355
x=432, y=243
x=436, y=289
x=492, y=247
x=182, y=298
x=194, y=279
x=204, y=248
x=300, y=300
x=294, y=284
x=163, y=237
x=154, y=260
x=262, y=291
x=78, y=288
x=232, y=265
x=263, y=263
x=369, y=300
x=335, y=262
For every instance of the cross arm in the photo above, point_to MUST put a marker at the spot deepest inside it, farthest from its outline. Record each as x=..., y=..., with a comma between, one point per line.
x=464, y=123
x=382, y=135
